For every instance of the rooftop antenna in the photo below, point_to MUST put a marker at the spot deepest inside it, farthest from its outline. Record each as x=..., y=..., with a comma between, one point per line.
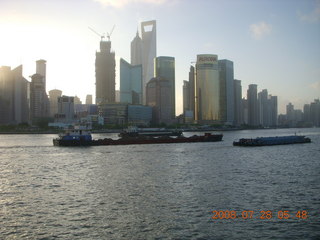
x=100, y=35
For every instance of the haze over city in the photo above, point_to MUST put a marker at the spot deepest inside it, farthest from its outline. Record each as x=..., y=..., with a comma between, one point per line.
x=274, y=44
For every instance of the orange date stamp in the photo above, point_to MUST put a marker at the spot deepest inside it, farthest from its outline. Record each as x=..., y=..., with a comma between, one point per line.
x=263, y=215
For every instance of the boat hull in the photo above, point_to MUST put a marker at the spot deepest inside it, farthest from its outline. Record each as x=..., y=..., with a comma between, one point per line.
x=271, y=141
x=140, y=140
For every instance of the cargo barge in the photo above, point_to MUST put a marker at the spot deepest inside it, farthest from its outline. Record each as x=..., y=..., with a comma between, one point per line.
x=81, y=137
x=269, y=141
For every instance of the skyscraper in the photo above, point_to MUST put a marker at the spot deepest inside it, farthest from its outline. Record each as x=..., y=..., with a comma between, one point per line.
x=207, y=89
x=226, y=91
x=41, y=70
x=253, y=115
x=192, y=89
x=186, y=96
x=89, y=99
x=264, y=108
x=136, y=50
x=105, y=73
x=238, y=111
x=14, y=101
x=53, y=99
x=130, y=83
x=165, y=67
x=39, y=102
x=149, y=52
x=159, y=97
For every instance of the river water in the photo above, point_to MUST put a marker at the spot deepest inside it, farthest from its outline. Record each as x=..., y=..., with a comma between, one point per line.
x=165, y=191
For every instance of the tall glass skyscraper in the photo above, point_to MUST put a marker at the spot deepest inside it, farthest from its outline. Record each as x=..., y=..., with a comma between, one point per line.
x=105, y=73
x=207, y=89
x=130, y=83
x=253, y=114
x=149, y=52
x=165, y=67
x=226, y=91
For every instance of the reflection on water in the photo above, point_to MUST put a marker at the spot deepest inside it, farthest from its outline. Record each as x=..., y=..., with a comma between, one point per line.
x=157, y=191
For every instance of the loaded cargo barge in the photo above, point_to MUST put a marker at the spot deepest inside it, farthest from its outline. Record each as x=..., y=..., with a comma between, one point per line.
x=269, y=141
x=81, y=137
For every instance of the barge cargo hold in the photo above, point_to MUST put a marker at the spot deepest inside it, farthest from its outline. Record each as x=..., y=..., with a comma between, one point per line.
x=79, y=140
x=269, y=141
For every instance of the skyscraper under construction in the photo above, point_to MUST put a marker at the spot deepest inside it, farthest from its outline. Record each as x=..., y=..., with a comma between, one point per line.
x=105, y=73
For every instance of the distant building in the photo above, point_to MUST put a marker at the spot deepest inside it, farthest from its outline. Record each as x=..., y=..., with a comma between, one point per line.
x=159, y=97
x=105, y=74
x=89, y=99
x=114, y=113
x=149, y=52
x=226, y=91
x=130, y=83
x=39, y=101
x=186, y=96
x=66, y=113
x=14, y=97
x=245, y=111
x=238, y=112
x=165, y=68
x=139, y=115
x=253, y=114
x=315, y=112
x=77, y=100
x=41, y=70
x=136, y=50
x=53, y=99
x=264, y=109
x=207, y=89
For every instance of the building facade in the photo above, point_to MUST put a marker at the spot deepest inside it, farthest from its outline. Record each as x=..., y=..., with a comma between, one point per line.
x=105, y=73
x=14, y=96
x=39, y=101
x=66, y=113
x=53, y=99
x=41, y=69
x=130, y=83
x=207, y=92
x=149, y=52
x=253, y=114
x=226, y=79
x=136, y=50
x=159, y=97
x=164, y=67
x=238, y=111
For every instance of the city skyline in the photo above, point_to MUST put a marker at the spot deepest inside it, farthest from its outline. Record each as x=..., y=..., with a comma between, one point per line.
x=276, y=46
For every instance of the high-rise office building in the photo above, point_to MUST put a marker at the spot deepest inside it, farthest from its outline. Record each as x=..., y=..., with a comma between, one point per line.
x=66, y=111
x=192, y=89
x=226, y=91
x=273, y=104
x=264, y=108
x=238, y=112
x=149, y=52
x=207, y=89
x=39, y=102
x=53, y=99
x=159, y=97
x=89, y=99
x=186, y=96
x=165, y=67
x=136, y=50
x=105, y=74
x=41, y=70
x=253, y=115
x=130, y=83
x=14, y=100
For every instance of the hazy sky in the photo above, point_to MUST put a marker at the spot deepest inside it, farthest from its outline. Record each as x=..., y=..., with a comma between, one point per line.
x=273, y=43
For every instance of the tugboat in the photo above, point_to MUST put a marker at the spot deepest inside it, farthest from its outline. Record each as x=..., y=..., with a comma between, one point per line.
x=79, y=135
x=269, y=141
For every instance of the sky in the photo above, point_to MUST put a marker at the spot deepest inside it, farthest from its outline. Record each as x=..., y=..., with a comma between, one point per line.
x=272, y=43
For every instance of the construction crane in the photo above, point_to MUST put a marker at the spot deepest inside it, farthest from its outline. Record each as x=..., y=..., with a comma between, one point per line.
x=103, y=35
x=109, y=34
